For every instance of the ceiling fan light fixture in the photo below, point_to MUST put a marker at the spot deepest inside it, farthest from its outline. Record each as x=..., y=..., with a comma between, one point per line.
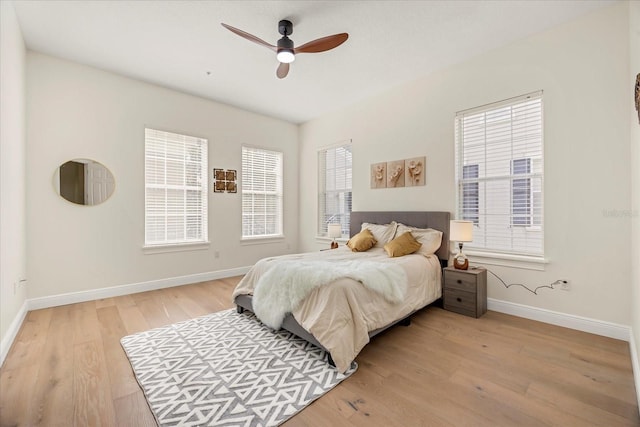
x=285, y=50
x=286, y=56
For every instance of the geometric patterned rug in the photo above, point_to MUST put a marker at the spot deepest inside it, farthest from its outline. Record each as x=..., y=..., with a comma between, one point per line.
x=228, y=369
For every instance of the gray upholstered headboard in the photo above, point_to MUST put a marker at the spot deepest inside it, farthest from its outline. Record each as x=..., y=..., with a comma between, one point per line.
x=425, y=219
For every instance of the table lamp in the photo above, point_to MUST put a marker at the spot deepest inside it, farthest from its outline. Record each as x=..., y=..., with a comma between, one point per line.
x=335, y=230
x=461, y=231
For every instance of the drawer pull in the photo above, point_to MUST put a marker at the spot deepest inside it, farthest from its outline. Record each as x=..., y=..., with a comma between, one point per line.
x=459, y=299
x=459, y=281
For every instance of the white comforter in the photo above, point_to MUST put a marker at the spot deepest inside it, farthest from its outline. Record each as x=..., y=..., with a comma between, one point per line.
x=341, y=314
x=285, y=284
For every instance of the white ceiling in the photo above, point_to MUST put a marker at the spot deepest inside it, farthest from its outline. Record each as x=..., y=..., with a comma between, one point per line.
x=181, y=44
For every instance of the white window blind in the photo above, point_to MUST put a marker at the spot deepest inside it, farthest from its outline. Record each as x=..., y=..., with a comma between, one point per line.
x=499, y=174
x=334, y=192
x=261, y=193
x=175, y=174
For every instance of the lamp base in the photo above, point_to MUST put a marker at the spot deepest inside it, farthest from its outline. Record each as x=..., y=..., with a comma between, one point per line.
x=334, y=245
x=461, y=263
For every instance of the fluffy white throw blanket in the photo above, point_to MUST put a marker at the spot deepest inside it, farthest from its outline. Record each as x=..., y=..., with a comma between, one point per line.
x=283, y=287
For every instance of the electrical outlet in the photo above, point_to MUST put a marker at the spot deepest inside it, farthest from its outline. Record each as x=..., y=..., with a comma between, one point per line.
x=565, y=285
x=216, y=254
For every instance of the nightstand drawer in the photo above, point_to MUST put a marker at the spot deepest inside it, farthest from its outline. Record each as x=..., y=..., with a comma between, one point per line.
x=461, y=300
x=460, y=281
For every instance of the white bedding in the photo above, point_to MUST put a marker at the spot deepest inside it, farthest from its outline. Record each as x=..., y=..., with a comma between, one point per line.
x=341, y=314
x=281, y=289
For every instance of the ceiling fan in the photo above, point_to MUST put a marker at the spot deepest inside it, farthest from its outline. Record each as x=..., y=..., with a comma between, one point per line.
x=285, y=51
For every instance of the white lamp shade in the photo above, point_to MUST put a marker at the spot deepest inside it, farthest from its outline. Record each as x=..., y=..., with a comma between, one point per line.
x=335, y=230
x=461, y=231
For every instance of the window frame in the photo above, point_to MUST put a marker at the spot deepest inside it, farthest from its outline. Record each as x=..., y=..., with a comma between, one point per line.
x=278, y=192
x=345, y=202
x=202, y=212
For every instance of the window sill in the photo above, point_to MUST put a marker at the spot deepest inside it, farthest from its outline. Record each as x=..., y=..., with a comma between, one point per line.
x=526, y=262
x=178, y=247
x=261, y=240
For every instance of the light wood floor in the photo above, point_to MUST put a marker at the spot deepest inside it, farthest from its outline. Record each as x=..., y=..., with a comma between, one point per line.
x=67, y=368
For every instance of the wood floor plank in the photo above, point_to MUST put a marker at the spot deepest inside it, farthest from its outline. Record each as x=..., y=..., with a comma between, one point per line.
x=93, y=404
x=67, y=367
x=133, y=410
x=121, y=379
x=502, y=398
x=16, y=394
x=568, y=402
x=53, y=397
x=132, y=319
x=85, y=322
x=30, y=340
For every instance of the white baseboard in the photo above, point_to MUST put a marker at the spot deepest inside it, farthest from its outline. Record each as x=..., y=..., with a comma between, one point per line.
x=12, y=332
x=116, y=291
x=635, y=363
x=585, y=324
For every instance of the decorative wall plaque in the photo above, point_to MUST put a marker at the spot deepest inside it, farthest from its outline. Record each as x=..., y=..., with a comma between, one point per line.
x=225, y=181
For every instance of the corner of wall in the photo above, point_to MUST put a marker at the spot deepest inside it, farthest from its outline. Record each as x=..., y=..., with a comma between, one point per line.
x=12, y=177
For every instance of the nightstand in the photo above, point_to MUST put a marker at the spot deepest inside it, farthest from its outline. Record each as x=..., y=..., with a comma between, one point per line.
x=465, y=291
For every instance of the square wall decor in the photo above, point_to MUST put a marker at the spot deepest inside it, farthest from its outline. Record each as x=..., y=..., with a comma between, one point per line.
x=414, y=171
x=225, y=181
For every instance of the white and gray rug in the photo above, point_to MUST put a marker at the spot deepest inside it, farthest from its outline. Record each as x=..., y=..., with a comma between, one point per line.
x=228, y=369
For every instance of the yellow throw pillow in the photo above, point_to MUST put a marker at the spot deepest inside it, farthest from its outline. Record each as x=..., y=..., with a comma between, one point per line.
x=403, y=245
x=363, y=241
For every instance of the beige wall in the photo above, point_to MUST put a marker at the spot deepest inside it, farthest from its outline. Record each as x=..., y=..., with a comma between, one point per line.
x=634, y=48
x=582, y=66
x=12, y=171
x=76, y=111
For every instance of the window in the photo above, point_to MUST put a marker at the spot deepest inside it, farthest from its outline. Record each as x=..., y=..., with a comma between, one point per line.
x=334, y=188
x=499, y=175
x=175, y=175
x=261, y=193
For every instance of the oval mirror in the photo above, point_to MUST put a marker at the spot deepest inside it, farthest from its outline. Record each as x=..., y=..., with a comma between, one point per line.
x=84, y=182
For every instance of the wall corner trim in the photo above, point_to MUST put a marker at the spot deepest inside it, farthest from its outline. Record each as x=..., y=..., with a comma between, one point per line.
x=12, y=332
x=585, y=324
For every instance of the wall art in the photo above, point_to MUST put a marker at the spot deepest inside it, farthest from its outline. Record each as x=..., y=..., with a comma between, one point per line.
x=415, y=171
x=395, y=174
x=379, y=175
x=225, y=181
x=399, y=173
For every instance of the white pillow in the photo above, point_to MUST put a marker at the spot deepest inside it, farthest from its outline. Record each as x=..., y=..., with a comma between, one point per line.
x=383, y=233
x=430, y=238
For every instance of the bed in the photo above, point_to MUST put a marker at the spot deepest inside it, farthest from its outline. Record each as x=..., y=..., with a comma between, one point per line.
x=343, y=316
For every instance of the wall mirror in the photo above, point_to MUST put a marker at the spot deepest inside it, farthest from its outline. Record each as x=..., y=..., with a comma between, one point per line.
x=84, y=182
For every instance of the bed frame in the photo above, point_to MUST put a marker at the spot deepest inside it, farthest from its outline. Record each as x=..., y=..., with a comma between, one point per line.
x=427, y=219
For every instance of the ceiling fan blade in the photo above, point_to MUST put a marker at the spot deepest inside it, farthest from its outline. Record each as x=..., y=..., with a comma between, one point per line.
x=323, y=44
x=249, y=37
x=283, y=70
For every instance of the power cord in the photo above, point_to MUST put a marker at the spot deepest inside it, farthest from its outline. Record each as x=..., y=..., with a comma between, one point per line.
x=533, y=291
